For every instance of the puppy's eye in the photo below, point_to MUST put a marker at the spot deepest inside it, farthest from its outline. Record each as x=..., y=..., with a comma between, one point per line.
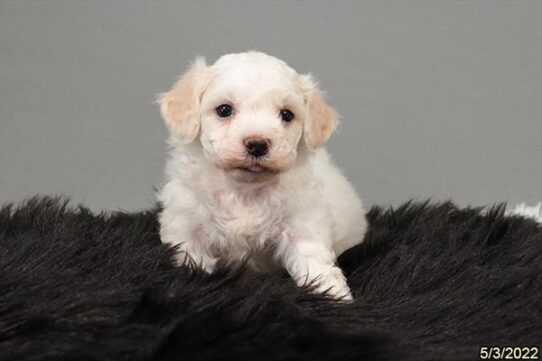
x=286, y=115
x=224, y=110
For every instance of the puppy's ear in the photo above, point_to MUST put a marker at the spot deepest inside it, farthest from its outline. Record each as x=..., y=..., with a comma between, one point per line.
x=321, y=118
x=180, y=105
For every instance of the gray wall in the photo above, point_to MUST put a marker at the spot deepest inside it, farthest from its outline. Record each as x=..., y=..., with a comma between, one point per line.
x=439, y=99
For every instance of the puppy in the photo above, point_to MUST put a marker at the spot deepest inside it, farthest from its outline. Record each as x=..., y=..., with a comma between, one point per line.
x=247, y=177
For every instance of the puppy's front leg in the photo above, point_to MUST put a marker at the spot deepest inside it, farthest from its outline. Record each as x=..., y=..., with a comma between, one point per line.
x=176, y=231
x=192, y=254
x=309, y=259
x=189, y=252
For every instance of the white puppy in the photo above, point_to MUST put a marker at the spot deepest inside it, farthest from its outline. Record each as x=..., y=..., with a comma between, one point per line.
x=247, y=178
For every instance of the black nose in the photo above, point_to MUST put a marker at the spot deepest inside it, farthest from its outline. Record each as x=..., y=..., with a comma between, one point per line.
x=257, y=147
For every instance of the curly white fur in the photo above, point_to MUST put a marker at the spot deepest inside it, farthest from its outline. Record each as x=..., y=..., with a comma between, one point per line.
x=291, y=207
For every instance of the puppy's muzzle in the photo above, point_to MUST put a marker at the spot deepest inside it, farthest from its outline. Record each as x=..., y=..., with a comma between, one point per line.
x=257, y=147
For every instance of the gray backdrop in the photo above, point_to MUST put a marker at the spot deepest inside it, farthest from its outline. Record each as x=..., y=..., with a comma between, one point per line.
x=439, y=99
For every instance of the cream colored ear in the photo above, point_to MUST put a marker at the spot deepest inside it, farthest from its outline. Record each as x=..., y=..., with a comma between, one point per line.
x=321, y=118
x=180, y=105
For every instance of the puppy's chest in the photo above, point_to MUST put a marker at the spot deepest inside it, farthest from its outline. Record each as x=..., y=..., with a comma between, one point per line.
x=246, y=220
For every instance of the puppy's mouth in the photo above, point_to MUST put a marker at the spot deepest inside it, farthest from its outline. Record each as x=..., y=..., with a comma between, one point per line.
x=254, y=168
x=253, y=172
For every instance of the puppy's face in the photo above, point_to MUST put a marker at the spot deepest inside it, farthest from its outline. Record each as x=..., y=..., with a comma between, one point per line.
x=250, y=112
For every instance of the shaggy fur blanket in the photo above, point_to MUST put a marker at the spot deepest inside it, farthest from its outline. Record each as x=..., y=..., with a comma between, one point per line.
x=431, y=282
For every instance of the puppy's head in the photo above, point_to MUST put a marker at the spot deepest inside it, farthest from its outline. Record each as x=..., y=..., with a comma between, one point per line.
x=250, y=112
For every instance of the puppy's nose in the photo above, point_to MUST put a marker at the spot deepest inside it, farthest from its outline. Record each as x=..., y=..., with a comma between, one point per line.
x=257, y=147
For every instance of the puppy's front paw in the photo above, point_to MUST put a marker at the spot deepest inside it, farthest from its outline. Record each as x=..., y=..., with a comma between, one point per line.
x=209, y=265
x=334, y=284
x=204, y=262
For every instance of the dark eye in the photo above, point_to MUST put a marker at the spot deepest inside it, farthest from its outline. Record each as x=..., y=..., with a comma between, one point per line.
x=286, y=115
x=224, y=110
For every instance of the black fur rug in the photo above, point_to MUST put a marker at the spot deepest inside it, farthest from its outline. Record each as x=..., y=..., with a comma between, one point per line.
x=431, y=282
